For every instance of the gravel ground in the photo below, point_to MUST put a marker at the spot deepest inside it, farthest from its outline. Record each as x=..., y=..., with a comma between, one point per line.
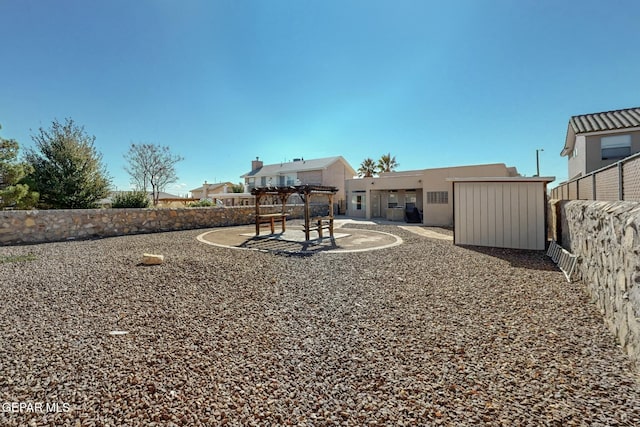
x=425, y=333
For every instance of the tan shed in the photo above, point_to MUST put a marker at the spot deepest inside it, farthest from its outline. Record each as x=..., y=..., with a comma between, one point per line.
x=500, y=212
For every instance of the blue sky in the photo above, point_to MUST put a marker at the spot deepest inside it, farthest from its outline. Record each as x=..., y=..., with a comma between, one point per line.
x=221, y=82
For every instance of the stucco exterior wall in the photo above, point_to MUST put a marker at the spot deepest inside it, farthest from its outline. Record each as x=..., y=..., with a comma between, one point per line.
x=577, y=164
x=18, y=227
x=334, y=176
x=592, y=159
x=606, y=238
x=436, y=180
x=311, y=177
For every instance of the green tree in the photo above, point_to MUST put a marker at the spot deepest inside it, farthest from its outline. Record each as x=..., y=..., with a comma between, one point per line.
x=13, y=193
x=151, y=166
x=367, y=168
x=387, y=163
x=237, y=188
x=131, y=199
x=67, y=169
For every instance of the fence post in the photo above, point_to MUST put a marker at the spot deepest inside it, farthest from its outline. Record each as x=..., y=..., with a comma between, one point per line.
x=620, y=189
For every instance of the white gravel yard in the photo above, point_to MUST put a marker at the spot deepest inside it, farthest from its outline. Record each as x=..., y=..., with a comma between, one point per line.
x=425, y=333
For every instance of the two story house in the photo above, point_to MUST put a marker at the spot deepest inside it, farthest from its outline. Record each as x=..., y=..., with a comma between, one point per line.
x=597, y=140
x=222, y=193
x=206, y=189
x=330, y=171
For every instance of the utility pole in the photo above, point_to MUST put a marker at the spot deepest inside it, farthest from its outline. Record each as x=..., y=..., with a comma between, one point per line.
x=538, y=150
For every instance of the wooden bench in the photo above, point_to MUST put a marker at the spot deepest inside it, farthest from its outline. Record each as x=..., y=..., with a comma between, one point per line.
x=271, y=219
x=318, y=224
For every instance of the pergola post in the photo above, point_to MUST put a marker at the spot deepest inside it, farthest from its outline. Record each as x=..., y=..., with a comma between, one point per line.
x=331, y=214
x=283, y=199
x=307, y=216
x=258, y=196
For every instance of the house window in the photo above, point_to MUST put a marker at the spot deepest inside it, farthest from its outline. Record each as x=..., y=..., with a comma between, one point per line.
x=409, y=200
x=615, y=147
x=437, y=197
x=357, y=200
x=393, y=200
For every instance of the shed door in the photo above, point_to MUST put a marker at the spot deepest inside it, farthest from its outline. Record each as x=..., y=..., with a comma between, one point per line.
x=500, y=214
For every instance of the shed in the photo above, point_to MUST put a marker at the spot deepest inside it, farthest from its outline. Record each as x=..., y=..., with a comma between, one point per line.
x=502, y=212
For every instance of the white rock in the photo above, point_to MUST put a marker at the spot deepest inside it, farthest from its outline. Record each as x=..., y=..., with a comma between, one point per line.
x=152, y=259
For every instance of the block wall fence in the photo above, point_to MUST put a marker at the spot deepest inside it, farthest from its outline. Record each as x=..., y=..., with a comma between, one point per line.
x=24, y=227
x=606, y=238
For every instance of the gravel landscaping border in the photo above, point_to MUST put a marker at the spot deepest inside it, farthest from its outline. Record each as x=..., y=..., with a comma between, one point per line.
x=425, y=333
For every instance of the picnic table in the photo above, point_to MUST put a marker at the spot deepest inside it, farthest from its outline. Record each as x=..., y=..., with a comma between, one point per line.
x=271, y=219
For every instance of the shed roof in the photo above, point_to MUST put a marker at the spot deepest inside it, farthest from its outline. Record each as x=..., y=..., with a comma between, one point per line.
x=505, y=179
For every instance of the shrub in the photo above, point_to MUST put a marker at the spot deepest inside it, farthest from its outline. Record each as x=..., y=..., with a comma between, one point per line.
x=131, y=199
x=204, y=203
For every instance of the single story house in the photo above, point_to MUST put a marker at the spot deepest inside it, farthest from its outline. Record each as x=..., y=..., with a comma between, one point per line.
x=394, y=195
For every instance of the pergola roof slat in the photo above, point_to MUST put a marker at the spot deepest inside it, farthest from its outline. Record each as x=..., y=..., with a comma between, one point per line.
x=294, y=189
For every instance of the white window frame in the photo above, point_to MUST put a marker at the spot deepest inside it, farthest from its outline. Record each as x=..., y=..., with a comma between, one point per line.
x=437, y=197
x=615, y=147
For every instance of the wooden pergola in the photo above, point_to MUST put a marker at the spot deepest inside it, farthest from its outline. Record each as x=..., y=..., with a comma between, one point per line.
x=305, y=192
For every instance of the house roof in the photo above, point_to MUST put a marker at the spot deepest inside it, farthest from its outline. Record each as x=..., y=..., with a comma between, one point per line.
x=608, y=120
x=163, y=195
x=214, y=185
x=296, y=166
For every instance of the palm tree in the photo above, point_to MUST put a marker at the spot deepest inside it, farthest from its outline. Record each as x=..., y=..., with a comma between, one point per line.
x=387, y=163
x=367, y=168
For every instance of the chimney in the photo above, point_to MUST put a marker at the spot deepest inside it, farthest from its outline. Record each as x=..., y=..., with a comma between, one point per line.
x=256, y=164
x=205, y=190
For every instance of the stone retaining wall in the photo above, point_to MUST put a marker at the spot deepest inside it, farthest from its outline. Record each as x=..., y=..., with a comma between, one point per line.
x=606, y=237
x=18, y=227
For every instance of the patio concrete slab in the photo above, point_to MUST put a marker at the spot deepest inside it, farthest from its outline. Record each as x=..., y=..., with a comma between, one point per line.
x=293, y=240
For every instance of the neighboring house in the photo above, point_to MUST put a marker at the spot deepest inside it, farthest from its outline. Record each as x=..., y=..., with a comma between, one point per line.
x=205, y=191
x=596, y=140
x=330, y=171
x=391, y=194
x=164, y=199
x=222, y=194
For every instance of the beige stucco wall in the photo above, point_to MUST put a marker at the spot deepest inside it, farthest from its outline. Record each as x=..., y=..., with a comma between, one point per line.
x=577, y=165
x=311, y=177
x=423, y=181
x=334, y=176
